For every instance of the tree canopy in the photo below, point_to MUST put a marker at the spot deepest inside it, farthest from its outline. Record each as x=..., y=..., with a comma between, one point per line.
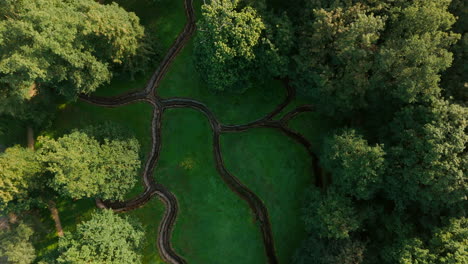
x=357, y=167
x=428, y=161
x=354, y=55
x=236, y=43
x=105, y=238
x=398, y=187
x=16, y=246
x=20, y=174
x=82, y=166
x=69, y=46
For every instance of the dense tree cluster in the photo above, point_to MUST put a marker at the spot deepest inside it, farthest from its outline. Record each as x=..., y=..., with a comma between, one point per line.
x=77, y=165
x=397, y=188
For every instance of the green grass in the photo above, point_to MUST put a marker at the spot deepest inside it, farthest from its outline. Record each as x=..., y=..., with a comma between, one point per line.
x=313, y=127
x=167, y=19
x=183, y=80
x=214, y=225
x=278, y=170
x=150, y=215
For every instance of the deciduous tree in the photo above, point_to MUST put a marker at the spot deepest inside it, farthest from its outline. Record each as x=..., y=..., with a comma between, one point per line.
x=66, y=45
x=357, y=168
x=85, y=167
x=16, y=246
x=105, y=238
x=236, y=44
x=20, y=174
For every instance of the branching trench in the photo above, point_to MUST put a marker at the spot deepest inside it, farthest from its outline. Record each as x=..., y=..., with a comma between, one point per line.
x=153, y=188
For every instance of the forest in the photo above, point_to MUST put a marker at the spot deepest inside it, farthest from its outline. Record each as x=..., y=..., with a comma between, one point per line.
x=234, y=131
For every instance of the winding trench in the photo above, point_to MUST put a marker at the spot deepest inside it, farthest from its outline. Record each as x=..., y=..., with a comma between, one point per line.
x=152, y=188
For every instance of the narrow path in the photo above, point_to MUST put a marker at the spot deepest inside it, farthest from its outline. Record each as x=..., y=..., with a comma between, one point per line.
x=152, y=188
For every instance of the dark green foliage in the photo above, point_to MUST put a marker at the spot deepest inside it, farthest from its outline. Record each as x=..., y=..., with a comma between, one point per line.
x=105, y=238
x=237, y=44
x=447, y=245
x=330, y=215
x=84, y=167
x=455, y=81
x=353, y=57
x=377, y=65
x=20, y=174
x=16, y=246
x=336, y=53
x=357, y=167
x=428, y=162
x=325, y=251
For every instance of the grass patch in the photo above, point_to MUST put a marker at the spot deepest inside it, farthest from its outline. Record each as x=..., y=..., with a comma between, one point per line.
x=150, y=215
x=214, y=225
x=278, y=170
x=313, y=127
x=183, y=80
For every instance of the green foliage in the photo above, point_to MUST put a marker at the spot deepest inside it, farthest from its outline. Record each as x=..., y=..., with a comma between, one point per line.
x=455, y=81
x=353, y=57
x=20, y=173
x=446, y=246
x=325, y=251
x=416, y=51
x=66, y=45
x=84, y=167
x=336, y=53
x=357, y=167
x=236, y=44
x=428, y=162
x=16, y=246
x=330, y=215
x=105, y=238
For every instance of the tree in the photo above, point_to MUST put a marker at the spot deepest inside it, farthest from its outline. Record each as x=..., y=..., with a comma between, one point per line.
x=105, y=238
x=235, y=45
x=357, y=167
x=326, y=251
x=336, y=53
x=355, y=58
x=455, y=80
x=16, y=246
x=447, y=245
x=65, y=45
x=416, y=51
x=428, y=160
x=85, y=167
x=330, y=215
x=20, y=175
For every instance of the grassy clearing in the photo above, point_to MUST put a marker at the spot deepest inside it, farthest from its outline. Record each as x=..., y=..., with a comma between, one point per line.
x=278, y=170
x=214, y=225
x=183, y=80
